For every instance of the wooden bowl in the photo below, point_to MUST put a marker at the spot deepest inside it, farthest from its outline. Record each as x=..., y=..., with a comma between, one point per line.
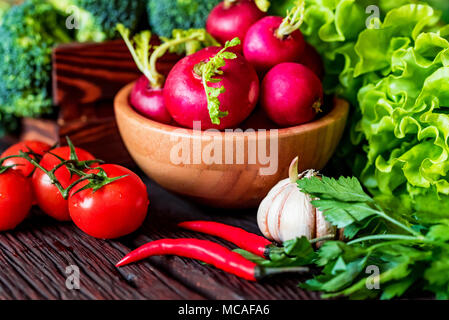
x=225, y=181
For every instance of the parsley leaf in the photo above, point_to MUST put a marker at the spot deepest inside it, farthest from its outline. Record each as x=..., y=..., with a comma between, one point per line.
x=343, y=189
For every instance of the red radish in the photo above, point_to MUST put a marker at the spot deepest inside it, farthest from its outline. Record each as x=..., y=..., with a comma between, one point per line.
x=273, y=40
x=291, y=94
x=233, y=91
x=149, y=101
x=147, y=95
x=312, y=60
x=231, y=19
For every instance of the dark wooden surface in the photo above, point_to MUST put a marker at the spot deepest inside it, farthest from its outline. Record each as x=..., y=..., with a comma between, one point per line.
x=34, y=257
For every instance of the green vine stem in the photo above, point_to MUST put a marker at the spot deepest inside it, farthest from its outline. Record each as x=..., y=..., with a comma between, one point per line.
x=324, y=238
x=51, y=174
x=74, y=165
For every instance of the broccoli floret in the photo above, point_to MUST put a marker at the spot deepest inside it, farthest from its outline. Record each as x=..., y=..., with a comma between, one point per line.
x=95, y=20
x=4, y=7
x=167, y=15
x=27, y=35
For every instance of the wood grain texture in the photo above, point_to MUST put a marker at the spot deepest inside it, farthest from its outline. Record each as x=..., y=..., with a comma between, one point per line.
x=34, y=257
x=221, y=182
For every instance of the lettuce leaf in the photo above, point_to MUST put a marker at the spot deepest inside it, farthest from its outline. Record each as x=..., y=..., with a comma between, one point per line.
x=397, y=79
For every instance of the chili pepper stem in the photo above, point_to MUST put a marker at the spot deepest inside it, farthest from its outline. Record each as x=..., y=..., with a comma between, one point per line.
x=261, y=272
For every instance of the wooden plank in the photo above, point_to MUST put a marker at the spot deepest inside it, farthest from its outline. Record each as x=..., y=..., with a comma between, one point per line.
x=34, y=258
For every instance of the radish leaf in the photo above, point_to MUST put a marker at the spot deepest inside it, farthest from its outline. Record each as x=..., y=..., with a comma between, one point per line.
x=209, y=71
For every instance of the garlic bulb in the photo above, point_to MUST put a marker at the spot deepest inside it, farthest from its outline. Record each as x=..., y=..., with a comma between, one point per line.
x=287, y=213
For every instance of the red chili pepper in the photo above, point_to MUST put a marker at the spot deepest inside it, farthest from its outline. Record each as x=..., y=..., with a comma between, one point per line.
x=250, y=242
x=208, y=252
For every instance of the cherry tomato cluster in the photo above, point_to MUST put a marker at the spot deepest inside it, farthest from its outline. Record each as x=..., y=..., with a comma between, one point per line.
x=104, y=200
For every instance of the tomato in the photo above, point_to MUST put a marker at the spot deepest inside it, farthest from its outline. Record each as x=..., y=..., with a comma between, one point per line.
x=16, y=198
x=113, y=211
x=22, y=165
x=47, y=195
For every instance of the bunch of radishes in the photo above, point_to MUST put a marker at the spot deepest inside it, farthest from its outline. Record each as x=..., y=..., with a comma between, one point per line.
x=219, y=86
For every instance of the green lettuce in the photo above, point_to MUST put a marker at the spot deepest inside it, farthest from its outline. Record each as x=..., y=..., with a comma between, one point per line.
x=397, y=78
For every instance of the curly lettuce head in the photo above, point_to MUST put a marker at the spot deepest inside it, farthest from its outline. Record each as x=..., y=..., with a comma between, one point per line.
x=397, y=76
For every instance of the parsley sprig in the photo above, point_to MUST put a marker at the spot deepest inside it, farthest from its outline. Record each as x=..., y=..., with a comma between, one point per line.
x=209, y=72
x=408, y=255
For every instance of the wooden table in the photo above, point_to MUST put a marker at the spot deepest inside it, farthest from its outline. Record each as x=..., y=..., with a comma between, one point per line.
x=34, y=258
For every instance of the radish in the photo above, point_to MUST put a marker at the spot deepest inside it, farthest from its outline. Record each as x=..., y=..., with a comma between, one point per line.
x=149, y=101
x=147, y=95
x=215, y=87
x=312, y=60
x=291, y=94
x=231, y=19
x=273, y=40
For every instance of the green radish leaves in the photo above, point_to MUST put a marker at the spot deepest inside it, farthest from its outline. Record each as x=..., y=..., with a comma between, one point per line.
x=182, y=41
x=139, y=46
x=209, y=71
x=263, y=5
x=189, y=41
x=293, y=20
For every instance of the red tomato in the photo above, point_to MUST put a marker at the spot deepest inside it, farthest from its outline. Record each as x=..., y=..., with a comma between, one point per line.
x=23, y=165
x=47, y=195
x=113, y=211
x=15, y=199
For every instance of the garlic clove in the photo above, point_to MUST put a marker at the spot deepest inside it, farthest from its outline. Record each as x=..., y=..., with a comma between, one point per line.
x=275, y=212
x=298, y=216
x=265, y=206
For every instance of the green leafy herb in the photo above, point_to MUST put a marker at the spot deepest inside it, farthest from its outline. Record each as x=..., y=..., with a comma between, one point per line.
x=345, y=204
x=209, y=71
x=382, y=262
x=403, y=259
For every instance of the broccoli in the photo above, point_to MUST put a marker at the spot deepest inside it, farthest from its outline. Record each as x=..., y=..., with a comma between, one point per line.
x=95, y=20
x=167, y=15
x=4, y=7
x=27, y=35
